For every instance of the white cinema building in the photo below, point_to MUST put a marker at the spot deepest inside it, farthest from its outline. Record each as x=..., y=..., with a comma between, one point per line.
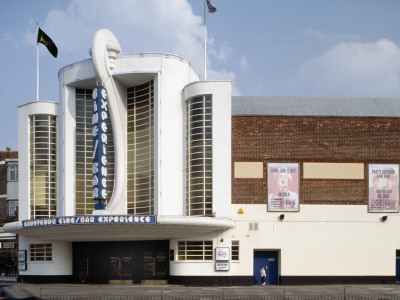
x=174, y=211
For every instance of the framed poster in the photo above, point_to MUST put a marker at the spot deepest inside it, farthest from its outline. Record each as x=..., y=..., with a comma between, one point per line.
x=22, y=255
x=222, y=253
x=283, y=187
x=22, y=266
x=383, y=188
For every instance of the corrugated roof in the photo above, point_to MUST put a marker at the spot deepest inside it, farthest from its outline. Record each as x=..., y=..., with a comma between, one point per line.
x=299, y=106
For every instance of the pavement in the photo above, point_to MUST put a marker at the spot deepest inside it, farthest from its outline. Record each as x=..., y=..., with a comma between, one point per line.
x=41, y=290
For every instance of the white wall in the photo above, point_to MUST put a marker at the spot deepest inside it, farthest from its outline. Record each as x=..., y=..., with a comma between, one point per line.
x=171, y=136
x=200, y=268
x=61, y=264
x=320, y=240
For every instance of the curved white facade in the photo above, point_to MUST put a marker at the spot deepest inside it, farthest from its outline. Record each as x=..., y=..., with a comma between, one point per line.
x=164, y=82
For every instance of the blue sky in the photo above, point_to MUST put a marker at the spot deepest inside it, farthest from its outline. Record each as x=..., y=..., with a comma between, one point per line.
x=308, y=48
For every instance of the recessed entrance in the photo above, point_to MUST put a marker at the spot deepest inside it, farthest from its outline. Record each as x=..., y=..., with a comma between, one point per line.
x=144, y=262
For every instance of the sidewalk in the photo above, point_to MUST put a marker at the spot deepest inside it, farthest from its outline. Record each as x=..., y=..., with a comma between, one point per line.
x=99, y=289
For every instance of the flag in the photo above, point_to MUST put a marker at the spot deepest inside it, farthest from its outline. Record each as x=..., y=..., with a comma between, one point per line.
x=211, y=8
x=44, y=39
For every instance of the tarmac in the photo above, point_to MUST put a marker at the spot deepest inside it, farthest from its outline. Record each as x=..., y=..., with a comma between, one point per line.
x=43, y=290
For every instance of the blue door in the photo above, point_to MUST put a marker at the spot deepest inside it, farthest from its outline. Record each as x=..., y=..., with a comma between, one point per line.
x=397, y=265
x=269, y=260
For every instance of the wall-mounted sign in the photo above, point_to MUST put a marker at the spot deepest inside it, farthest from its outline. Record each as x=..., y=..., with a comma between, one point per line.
x=8, y=245
x=383, y=188
x=99, y=122
x=22, y=255
x=87, y=220
x=222, y=266
x=22, y=266
x=222, y=253
x=283, y=186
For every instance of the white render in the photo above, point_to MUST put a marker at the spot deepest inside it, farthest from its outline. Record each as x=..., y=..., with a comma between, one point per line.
x=318, y=239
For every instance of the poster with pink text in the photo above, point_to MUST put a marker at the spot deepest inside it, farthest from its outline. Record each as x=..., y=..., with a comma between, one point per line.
x=383, y=188
x=283, y=187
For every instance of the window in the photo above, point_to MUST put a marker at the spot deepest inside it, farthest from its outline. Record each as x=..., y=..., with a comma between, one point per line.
x=12, y=208
x=140, y=164
x=43, y=164
x=195, y=250
x=199, y=156
x=41, y=252
x=235, y=250
x=12, y=173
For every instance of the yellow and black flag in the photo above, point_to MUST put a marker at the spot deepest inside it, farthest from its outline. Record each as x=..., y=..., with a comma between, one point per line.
x=46, y=40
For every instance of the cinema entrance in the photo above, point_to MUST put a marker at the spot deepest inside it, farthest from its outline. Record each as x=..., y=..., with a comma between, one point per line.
x=139, y=262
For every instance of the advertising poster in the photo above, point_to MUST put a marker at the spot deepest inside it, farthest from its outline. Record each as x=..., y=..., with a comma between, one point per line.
x=283, y=187
x=383, y=187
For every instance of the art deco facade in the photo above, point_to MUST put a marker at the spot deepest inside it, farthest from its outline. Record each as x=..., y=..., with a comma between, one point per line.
x=203, y=188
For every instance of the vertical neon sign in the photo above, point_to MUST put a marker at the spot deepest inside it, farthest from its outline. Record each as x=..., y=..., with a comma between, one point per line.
x=99, y=122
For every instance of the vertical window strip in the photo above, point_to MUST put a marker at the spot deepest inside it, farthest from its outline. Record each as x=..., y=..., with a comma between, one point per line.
x=141, y=149
x=43, y=190
x=199, y=158
x=84, y=152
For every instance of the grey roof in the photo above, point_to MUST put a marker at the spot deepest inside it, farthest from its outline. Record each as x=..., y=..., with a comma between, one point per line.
x=298, y=106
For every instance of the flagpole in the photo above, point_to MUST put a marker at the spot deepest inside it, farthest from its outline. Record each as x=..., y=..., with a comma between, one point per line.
x=205, y=42
x=37, y=64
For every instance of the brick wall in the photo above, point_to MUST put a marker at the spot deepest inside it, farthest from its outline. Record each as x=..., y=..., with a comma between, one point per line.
x=3, y=185
x=313, y=139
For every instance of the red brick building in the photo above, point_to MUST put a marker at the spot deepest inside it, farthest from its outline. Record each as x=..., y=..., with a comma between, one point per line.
x=341, y=223
x=8, y=210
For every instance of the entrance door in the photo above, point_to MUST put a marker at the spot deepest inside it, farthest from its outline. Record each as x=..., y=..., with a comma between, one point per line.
x=120, y=269
x=83, y=269
x=155, y=267
x=269, y=260
x=398, y=265
x=121, y=262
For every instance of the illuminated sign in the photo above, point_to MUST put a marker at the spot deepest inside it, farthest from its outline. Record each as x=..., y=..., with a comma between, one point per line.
x=99, y=122
x=88, y=220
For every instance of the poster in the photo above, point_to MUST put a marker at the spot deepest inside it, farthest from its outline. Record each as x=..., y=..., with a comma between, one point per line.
x=283, y=187
x=383, y=187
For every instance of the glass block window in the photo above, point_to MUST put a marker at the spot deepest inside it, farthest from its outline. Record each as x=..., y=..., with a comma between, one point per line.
x=12, y=173
x=43, y=177
x=235, y=250
x=41, y=252
x=140, y=171
x=199, y=156
x=195, y=250
x=84, y=153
